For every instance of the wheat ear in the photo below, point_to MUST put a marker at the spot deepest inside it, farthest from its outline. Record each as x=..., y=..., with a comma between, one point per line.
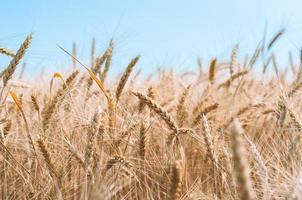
x=175, y=185
x=70, y=79
x=90, y=138
x=151, y=95
x=49, y=109
x=47, y=158
x=142, y=141
x=7, y=52
x=108, y=61
x=204, y=112
x=208, y=139
x=158, y=110
x=125, y=77
x=181, y=113
x=212, y=70
x=101, y=59
x=240, y=163
x=233, y=58
x=35, y=103
x=9, y=71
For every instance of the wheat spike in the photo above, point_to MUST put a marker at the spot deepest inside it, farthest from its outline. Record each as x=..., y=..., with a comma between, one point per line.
x=233, y=58
x=158, y=110
x=240, y=163
x=181, y=113
x=7, y=52
x=47, y=158
x=204, y=112
x=35, y=102
x=175, y=185
x=125, y=77
x=49, y=109
x=101, y=59
x=142, y=141
x=71, y=79
x=9, y=71
x=90, y=139
x=108, y=61
x=208, y=139
x=212, y=70
x=115, y=160
x=151, y=95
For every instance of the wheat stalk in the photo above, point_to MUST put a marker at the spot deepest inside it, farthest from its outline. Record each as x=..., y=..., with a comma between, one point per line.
x=92, y=54
x=74, y=53
x=7, y=128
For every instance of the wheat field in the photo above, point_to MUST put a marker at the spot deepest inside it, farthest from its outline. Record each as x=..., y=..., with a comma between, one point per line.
x=222, y=131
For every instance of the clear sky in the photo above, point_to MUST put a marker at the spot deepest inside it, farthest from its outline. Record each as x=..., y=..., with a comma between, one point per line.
x=171, y=33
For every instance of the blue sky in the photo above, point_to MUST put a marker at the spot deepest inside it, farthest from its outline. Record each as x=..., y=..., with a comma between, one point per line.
x=167, y=33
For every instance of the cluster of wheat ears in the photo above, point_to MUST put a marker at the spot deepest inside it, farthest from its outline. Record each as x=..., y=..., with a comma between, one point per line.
x=216, y=133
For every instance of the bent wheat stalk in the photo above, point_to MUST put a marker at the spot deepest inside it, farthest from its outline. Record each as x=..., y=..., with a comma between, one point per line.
x=111, y=103
x=18, y=103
